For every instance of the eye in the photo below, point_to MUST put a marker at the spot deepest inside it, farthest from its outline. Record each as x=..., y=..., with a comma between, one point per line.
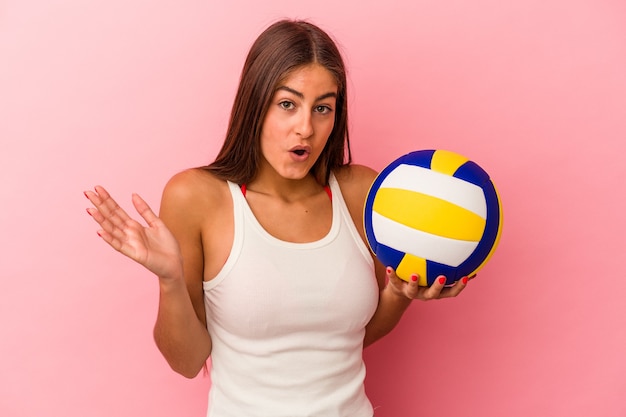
x=323, y=109
x=286, y=105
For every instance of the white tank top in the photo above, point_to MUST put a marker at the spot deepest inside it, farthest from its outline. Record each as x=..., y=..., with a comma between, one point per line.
x=287, y=321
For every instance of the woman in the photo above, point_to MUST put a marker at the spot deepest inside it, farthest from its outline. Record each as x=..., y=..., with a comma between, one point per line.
x=261, y=256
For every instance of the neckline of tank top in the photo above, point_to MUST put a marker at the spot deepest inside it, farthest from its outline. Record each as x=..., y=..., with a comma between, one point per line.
x=244, y=189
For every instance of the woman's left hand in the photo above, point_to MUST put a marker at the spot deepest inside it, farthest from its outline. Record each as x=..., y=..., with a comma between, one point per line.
x=413, y=291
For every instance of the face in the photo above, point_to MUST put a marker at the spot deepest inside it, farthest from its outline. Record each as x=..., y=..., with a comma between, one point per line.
x=299, y=121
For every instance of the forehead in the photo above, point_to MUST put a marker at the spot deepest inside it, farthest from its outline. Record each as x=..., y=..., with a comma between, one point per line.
x=310, y=77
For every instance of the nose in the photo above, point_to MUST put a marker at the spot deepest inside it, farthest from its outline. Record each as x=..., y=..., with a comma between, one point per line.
x=304, y=125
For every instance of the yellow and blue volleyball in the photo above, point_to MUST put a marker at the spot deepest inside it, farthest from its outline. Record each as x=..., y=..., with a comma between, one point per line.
x=431, y=213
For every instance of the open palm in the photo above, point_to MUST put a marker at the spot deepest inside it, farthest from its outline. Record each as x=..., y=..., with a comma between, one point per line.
x=152, y=246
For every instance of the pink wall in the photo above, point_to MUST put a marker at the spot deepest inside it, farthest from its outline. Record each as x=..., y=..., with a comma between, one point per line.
x=128, y=93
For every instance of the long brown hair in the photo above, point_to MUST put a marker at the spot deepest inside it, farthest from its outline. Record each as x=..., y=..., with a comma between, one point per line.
x=283, y=47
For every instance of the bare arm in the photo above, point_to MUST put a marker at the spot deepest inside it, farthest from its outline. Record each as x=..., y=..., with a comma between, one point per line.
x=391, y=307
x=395, y=294
x=171, y=253
x=180, y=330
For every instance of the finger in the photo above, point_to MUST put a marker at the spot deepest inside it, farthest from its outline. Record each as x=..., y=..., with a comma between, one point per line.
x=393, y=279
x=110, y=239
x=96, y=215
x=102, y=192
x=100, y=219
x=122, y=239
x=113, y=220
x=434, y=291
x=92, y=197
x=106, y=223
x=455, y=290
x=144, y=210
x=399, y=285
x=412, y=288
x=391, y=276
x=109, y=207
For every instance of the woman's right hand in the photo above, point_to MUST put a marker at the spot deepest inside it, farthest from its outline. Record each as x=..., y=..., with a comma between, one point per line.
x=154, y=246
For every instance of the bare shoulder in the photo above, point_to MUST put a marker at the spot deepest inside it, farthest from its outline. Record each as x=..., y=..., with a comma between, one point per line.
x=355, y=182
x=194, y=186
x=191, y=194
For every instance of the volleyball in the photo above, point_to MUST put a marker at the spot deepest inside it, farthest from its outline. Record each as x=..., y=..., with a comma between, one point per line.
x=433, y=212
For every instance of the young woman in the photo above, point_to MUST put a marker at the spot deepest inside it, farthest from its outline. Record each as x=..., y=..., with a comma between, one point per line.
x=261, y=256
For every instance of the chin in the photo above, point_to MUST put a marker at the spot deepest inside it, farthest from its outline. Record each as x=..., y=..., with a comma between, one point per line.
x=295, y=174
x=296, y=177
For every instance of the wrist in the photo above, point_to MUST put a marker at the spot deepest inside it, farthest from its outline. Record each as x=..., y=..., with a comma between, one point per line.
x=171, y=282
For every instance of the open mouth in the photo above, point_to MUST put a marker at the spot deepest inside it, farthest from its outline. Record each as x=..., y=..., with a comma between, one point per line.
x=300, y=151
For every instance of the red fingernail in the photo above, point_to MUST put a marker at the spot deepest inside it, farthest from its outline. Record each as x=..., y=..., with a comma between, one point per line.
x=85, y=194
x=464, y=280
x=413, y=277
x=388, y=270
x=88, y=212
x=442, y=280
x=98, y=233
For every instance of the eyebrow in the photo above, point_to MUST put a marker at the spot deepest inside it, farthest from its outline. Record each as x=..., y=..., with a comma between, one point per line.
x=299, y=94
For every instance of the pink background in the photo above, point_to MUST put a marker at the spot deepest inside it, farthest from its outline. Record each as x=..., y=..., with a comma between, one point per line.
x=127, y=93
